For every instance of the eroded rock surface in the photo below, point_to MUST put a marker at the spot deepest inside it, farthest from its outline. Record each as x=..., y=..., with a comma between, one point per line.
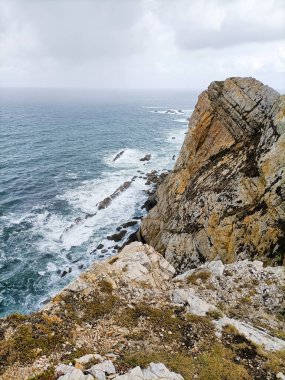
x=226, y=195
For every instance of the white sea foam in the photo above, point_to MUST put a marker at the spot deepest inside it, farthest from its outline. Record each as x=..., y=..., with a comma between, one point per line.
x=130, y=158
x=173, y=112
x=181, y=120
x=58, y=234
x=51, y=267
x=121, y=209
x=169, y=112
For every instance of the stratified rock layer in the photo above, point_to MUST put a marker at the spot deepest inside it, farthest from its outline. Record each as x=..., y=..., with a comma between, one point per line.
x=226, y=195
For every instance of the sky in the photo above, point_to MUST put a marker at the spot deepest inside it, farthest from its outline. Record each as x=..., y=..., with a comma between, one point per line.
x=140, y=43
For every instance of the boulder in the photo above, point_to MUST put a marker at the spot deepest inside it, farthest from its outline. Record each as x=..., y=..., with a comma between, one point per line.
x=153, y=371
x=252, y=333
x=88, y=358
x=108, y=200
x=118, y=155
x=117, y=237
x=195, y=304
x=100, y=370
x=75, y=374
x=147, y=157
x=129, y=224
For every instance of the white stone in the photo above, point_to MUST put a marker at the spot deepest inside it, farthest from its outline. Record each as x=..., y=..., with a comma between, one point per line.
x=63, y=369
x=76, y=374
x=280, y=376
x=87, y=358
x=215, y=267
x=133, y=374
x=184, y=276
x=97, y=373
x=161, y=372
x=253, y=334
x=139, y=262
x=89, y=377
x=155, y=371
x=257, y=265
x=196, y=305
x=99, y=370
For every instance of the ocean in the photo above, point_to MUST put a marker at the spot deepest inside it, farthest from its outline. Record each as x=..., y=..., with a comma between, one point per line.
x=57, y=152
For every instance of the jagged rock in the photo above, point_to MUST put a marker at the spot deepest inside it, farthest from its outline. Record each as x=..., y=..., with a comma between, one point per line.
x=118, y=155
x=100, y=370
x=152, y=372
x=215, y=267
x=108, y=200
x=159, y=370
x=150, y=202
x=135, y=265
x=88, y=358
x=133, y=374
x=246, y=289
x=63, y=369
x=195, y=305
x=75, y=374
x=129, y=224
x=117, y=237
x=225, y=199
x=253, y=334
x=140, y=263
x=147, y=157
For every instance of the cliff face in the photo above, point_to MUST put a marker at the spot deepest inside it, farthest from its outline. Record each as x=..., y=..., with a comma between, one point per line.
x=226, y=195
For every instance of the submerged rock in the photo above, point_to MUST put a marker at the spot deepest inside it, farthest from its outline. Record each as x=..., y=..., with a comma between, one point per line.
x=117, y=237
x=118, y=155
x=107, y=201
x=147, y=157
x=129, y=224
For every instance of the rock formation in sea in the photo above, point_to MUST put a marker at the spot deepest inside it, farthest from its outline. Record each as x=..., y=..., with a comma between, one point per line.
x=225, y=198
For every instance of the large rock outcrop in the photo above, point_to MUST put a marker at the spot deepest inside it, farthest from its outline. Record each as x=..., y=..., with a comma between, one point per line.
x=226, y=195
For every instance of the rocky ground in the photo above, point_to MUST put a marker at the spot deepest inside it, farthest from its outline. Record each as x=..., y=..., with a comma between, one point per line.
x=213, y=322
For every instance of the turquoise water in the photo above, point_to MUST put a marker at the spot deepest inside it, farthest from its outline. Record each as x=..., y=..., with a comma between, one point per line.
x=57, y=150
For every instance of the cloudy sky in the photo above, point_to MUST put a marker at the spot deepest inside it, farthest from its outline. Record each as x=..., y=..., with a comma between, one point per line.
x=140, y=43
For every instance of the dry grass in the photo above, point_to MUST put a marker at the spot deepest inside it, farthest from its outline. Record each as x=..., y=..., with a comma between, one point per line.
x=202, y=275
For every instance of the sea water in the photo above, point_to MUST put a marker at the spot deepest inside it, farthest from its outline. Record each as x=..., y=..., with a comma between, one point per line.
x=57, y=150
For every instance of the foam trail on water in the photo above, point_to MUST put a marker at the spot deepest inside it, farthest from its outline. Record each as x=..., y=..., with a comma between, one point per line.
x=63, y=239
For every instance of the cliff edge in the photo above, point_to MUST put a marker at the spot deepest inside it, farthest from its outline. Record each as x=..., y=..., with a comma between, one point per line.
x=225, y=198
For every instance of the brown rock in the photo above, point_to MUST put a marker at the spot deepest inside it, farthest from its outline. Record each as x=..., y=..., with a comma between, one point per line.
x=225, y=197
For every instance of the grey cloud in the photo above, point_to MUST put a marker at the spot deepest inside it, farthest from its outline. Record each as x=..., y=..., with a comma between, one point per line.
x=200, y=24
x=139, y=43
x=80, y=30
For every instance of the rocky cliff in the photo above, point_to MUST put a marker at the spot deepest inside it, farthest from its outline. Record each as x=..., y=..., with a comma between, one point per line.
x=140, y=316
x=226, y=195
